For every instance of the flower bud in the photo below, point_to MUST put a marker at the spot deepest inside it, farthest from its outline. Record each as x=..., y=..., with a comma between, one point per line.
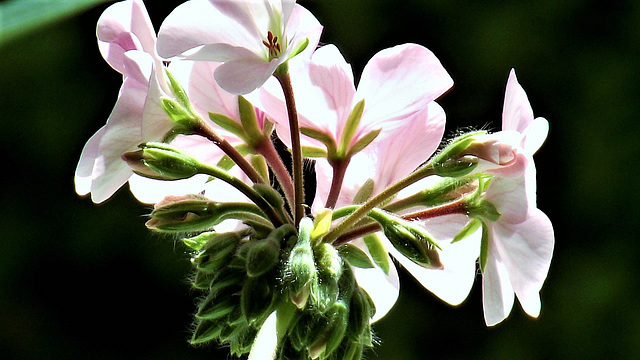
x=257, y=299
x=206, y=331
x=361, y=309
x=217, y=305
x=300, y=271
x=217, y=252
x=162, y=162
x=262, y=256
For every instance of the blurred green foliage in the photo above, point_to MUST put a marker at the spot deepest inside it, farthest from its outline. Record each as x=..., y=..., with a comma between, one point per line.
x=85, y=281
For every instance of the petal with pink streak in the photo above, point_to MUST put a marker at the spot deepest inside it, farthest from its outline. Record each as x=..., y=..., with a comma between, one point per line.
x=400, y=81
x=516, y=113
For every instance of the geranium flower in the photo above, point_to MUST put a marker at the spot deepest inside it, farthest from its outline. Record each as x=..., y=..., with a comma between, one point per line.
x=521, y=241
x=252, y=38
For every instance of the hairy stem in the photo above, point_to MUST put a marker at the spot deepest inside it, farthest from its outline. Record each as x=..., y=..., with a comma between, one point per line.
x=339, y=169
x=296, y=149
x=268, y=151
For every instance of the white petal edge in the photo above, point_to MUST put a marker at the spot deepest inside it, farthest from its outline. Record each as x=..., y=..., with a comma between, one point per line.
x=265, y=345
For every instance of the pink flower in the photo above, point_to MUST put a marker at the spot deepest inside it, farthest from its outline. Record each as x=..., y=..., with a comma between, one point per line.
x=252, y=38
x=521, y=241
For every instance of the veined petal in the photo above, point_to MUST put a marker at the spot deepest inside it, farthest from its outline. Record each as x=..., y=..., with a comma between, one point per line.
x=383, y=289
x=516, y=113
x=84, y=170
x=206, y=95
x=242, y=76
x=526, y=250
x=400, y=81
x=510, y=198
x=203, y=22
x=497, y=293
x=125, y=26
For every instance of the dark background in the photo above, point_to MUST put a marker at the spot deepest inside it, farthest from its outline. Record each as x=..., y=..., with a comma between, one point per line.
x=84, y=281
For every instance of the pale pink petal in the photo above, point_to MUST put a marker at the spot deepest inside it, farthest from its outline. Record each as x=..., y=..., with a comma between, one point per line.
x=201, y=22
x=244, y=75
x=150, y=191
x=516, y=113
x=156, y=123
x=497, y=293
x=400, y=81
x=510, y=198
x=383, y=289
x=124, y=26
x=84, y=170
x=207, y=96
x=265, y=345
x=303, y=25
x=535, y=134
x=526, y=250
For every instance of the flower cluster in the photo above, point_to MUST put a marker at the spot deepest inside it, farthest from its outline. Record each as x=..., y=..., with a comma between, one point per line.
x=193, y=132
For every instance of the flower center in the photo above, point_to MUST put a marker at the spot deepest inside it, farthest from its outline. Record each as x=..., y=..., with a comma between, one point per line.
x=273, y=45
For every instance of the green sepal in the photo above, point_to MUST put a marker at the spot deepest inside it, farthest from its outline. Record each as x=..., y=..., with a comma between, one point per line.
x=363, y=142
x=249, y=122
x=468, y=229
x=331, y=336
x=300, y=48
x=161, y=162
x=216, y=307
x=378, y=252
x=313, y=152
x=228, y=124
x=355, y=257
x=226, y=163
x=262, y=256
x=270, y=195
x=260, y=165
x=243, y=342
x=484, y=210
x=456, y=167
x=227, y=278
x=206, y=331
x=178, y=92
x=202, y=280
x=324, y=138
x=217, y=252
x=178, y=113
x=456, y=147
x=350, y=128
x=365, y=192
x=360, y=312
x=484, y=247
x=256, y=300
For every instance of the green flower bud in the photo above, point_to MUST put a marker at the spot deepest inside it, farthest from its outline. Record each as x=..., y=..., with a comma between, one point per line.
x=257, y=299
x=333, y=334
x=206, y=331
x=217, y=252
x=202, y=280
x=262, y=256
x=361, y=309
x=300, y=270
x=217, y=305
x=242, y=343
x=160, y=161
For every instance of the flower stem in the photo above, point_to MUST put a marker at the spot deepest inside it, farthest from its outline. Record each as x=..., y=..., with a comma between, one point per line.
x=339, y=169
x=247, y=190
x=362, y=211
x=296, y=149
x=206, y=131
x=456, y=207
x=268, y=151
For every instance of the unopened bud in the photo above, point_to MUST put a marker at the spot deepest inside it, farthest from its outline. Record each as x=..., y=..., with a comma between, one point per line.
x=217, y=252
x=161, y=161
x=206, y=331
x=300, y=270
x=256, y=300
x=262, y=256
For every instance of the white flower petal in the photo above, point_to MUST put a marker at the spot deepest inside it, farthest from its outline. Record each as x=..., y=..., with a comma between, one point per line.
x=497, y=293
x=243, y=76
x=84, y=170
x=516, y=112
x=265, y=345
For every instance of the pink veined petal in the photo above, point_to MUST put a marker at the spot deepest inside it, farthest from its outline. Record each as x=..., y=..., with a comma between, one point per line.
x=383, y=289
x=497, y=293
x=266, y=343
x=244, y=75
x=203, y=22
x=453, y=283
x=207, y=96
x=400, y=81
x=150, y=191
x=526, y=250
x=303, y=25
x=535, y=134
x=516, y=113
x=122, y=27
x=84, y=170
x=510, y=198
x=332, y=78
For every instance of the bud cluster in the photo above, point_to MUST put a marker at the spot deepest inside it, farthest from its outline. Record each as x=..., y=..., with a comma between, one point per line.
x=240, y=275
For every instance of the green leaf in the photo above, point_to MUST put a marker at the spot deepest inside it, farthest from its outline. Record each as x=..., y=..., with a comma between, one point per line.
x=363, y=142
x=19, y=17
x=324, y=138
x=378, y=252
x=469, y=229
x=354, y=256
x=229, y=124
x=350, y=128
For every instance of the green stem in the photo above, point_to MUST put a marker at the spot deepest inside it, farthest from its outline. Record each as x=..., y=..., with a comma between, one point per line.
x=296, y=149
x=456, y=207
x=206, y=131
x=339, y=169
x=361, y=212
x=246, y=190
